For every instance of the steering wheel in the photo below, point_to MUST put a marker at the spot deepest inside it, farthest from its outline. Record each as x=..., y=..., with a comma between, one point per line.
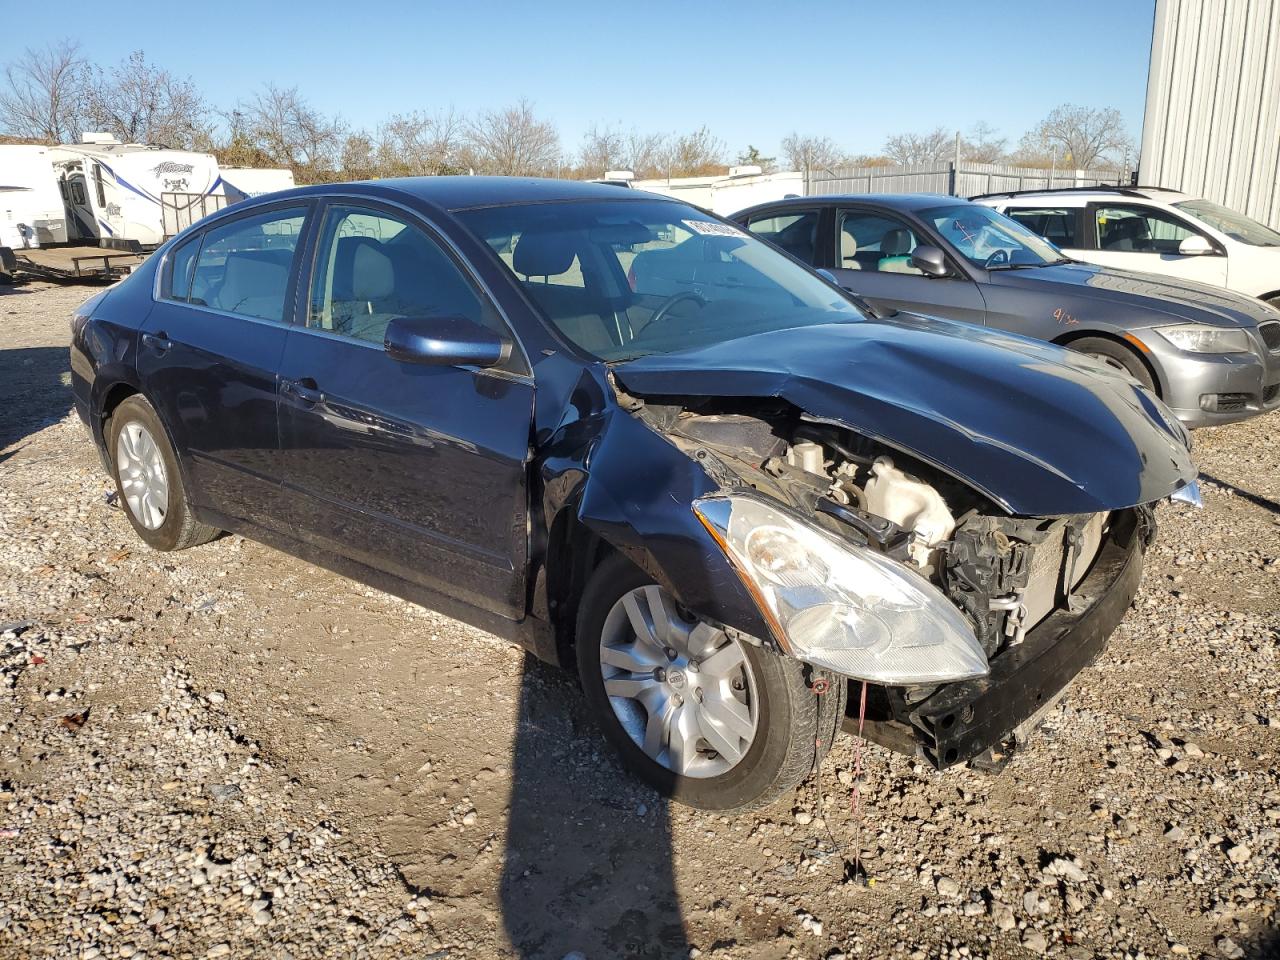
x=1000, y=256
x=667, y=305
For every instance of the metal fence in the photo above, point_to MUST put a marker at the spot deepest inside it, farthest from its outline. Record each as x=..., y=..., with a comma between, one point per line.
x=963, y=180
x=179, y=210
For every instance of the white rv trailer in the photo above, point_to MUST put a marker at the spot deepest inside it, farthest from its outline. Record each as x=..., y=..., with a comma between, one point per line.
x=117, y=193
x=31, y=211
x=241, y=183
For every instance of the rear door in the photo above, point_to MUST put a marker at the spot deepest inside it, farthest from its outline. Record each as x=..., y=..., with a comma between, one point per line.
x=209, y=352
x=1134, y=236
x=420, y=471
x=873, y=259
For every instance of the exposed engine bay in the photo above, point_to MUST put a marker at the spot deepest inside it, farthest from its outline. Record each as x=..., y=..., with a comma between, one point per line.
x=1006, y=574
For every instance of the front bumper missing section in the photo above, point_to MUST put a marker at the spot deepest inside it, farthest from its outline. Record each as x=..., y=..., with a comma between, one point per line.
x=974, y=718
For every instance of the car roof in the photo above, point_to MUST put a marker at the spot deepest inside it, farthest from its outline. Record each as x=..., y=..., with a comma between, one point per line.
x=1071, y=196
x=895, y=201
x=462, y=193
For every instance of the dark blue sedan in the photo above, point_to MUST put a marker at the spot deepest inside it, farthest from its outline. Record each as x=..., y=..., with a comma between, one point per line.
x=624, y=432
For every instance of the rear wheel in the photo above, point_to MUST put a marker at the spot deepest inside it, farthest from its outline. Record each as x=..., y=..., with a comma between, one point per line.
x=148, y=481
x=1117, y=356
x=708, y=719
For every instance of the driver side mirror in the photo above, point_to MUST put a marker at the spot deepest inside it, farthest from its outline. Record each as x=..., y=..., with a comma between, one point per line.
x=1195, y=246
x=444, y=342
x=930, y=261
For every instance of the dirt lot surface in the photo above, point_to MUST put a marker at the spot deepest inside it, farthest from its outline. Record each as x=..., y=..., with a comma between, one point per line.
x=228, y=752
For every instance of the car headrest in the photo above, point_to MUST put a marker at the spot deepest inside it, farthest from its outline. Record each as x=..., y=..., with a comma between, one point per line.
x=848, y=245
x=372, y=275
x=250, y=274
x=895, y=242
x=543, y=254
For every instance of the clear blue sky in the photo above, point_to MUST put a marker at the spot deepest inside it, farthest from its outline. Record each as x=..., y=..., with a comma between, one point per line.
x=751, y=71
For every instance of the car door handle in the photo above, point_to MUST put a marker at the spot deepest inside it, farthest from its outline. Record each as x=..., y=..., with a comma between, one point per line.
x=304, y=389
x=157, y=343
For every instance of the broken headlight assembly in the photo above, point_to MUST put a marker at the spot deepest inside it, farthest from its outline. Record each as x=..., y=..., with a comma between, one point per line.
x=839, y=605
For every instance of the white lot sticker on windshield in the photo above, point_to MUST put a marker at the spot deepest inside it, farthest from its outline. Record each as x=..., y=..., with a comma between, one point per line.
x=710, y=229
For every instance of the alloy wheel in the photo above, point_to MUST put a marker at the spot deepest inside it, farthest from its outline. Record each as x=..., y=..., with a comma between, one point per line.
x=143, y=479
x=682, y=689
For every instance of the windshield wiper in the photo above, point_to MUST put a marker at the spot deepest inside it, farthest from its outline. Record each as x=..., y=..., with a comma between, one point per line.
x=1015, y=266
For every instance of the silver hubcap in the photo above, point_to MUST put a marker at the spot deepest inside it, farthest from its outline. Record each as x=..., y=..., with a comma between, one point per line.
x=142, y=475
x=682, y=690
x=1111, y=362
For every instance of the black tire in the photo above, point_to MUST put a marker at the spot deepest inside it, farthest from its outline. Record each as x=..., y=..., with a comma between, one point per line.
x=180, y=528
x=1117, y=355
x=795, y=725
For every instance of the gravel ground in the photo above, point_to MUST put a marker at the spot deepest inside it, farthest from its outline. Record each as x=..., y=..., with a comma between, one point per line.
x=228, y=752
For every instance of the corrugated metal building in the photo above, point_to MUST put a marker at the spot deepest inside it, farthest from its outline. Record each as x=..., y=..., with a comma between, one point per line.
x=1212, y=124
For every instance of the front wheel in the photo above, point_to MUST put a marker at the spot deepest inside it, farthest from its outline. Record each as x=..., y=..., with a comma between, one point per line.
x=1117, y=356
x=707, y=719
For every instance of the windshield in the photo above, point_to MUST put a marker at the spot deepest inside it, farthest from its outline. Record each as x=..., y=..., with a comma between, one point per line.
x=989, y=239
x=629, y=278
x=1235, y=225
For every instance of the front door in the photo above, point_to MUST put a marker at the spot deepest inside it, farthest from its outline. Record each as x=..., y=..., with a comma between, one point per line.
x=416, y=470
x=873, y=259
x=1133, y=236
x=208, y=355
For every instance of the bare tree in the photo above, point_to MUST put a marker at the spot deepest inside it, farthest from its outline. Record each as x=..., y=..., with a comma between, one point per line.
x=44, y=95
x=693, y=154
x=1080, y=136
x=421, y=144
x=981, y=145
x=603, y=148
x=910, y=148
x=139, y=102
x=284, y=127
x=514, y=141
x=808, y=152
x=644, y=153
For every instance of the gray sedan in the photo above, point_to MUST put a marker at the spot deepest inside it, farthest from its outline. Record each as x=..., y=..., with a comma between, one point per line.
x=1211, y=355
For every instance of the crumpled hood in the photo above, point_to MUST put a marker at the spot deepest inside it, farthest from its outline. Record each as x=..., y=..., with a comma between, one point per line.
x=1040, y=430
x=1145, y=293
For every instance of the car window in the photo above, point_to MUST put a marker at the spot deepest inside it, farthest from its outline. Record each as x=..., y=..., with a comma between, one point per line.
x=990, y=240
x=632, y=277
x=796, y=233
x=1055, y=224
x=181, y=266
x=1235, y=225
x=372, y=266
x=244, y=265
x=869, y=241
x=1138, y=229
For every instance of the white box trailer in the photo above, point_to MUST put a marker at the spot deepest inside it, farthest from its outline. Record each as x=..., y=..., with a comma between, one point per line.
x=122, y=194
x=241, y=183
x=31, y=210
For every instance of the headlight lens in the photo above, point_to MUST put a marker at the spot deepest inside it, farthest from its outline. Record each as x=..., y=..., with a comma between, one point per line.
x=841, y=606
x=1202, y=338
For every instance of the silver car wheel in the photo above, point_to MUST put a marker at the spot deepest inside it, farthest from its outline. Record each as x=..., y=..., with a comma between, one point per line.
x=683, y=690
x=1111, y=362
x=143, y=479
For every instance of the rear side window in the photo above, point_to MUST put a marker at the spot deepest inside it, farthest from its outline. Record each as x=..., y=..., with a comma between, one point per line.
x=244, y=266
x=1055, y=224
x=796, y=233
x=181, y=266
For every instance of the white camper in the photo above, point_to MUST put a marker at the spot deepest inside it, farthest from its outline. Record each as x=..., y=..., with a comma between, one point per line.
x=123, y=193
x=241, y=183
x=31, y=212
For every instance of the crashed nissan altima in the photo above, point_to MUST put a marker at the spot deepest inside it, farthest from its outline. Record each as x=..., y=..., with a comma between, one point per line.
x=622, y=432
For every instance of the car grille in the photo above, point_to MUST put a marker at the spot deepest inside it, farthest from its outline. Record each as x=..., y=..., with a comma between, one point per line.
x=1270, y=393
x=1271, y=335
x=1232, y=401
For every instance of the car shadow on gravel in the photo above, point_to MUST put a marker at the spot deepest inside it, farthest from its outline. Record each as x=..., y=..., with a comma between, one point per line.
x=1266, y=503
x=34, y=391
x=588, y=861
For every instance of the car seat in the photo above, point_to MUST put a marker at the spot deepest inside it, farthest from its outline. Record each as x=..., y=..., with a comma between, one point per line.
x=1127, y=234
x=895, y=252
x=575, y=310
